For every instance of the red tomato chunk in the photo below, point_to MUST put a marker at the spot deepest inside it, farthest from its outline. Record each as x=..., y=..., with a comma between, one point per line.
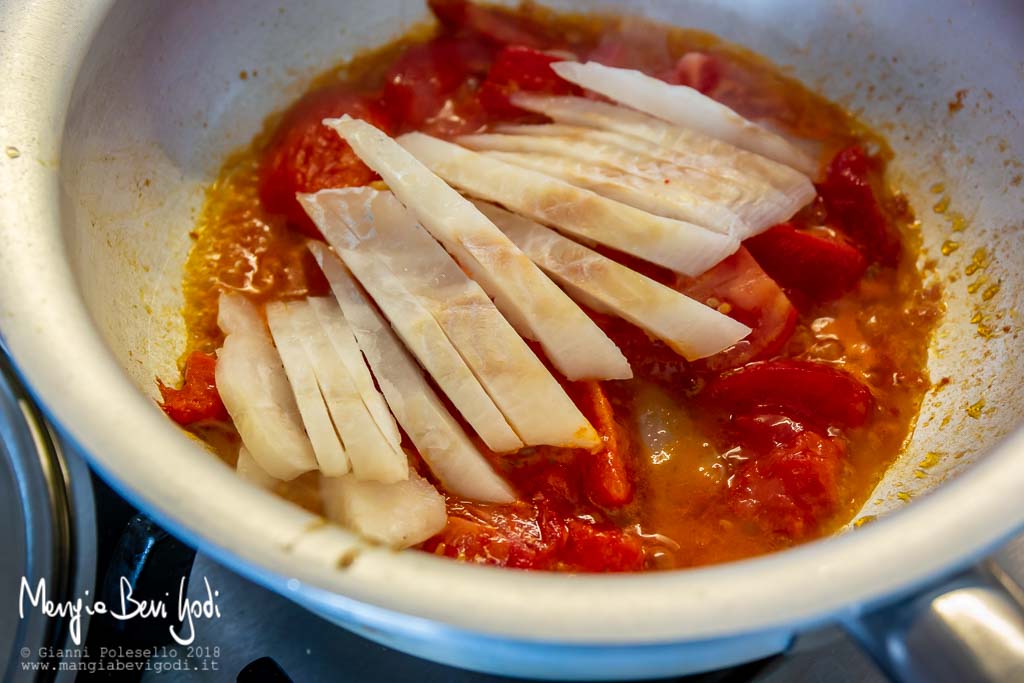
x=197, y=399
x=814, y=391
x=815, y=264
x=606, y=476
x=306, y=156
x=521, y=68
x=793, y=488
x=427, y=76
x=739, y=287
x=533, y=536
x=852, y=203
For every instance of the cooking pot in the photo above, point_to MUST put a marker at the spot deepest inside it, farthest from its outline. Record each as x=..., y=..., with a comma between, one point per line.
x=114, y=115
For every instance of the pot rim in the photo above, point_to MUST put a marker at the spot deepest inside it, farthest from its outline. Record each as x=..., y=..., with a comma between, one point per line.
x=62, y=357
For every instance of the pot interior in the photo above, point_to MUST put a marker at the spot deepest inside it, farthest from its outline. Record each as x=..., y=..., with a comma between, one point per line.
x=160, y=101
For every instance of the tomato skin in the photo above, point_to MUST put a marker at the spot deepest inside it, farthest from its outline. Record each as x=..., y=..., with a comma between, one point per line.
x=535, y=535
x=592, y=548
x=818, y=393
x=306, y=156
x=494, y=25
x=605, y=474
x=854, y=206
x=521, y=68
x=817, y=265
x=791, y=489
x=697, y=70
x=197, y=399
x=762, y=432
x=422, y=80
x=753, y=298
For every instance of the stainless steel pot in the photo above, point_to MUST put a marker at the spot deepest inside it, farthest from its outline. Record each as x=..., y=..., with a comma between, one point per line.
x=114, y=115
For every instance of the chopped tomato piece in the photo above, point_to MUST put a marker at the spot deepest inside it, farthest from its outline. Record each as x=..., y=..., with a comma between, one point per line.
x=818, y=393
x=763, y=432
x=698, y=71
x=306, y=156
x=534, y=535
x=519, y=535
x=793, y=488
x=816, y=264
x=521, y=68
x=649, y=358
x=461, y=114
x=197, y=399
x=592, y=548
x=853, y=204
x=605, y=474
x=739, y=287
x=492, y=24
x=423, y=79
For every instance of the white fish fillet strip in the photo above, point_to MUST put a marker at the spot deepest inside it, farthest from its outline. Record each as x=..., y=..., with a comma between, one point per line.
x=254, y=388
x=372, y=457
x=537, y=308
x=534, y=403
x=298, y=367
x=718, y=176
x=680, y=145
x=690, y=328
x=677, y=245
x=684, y=106
x=400, y=515
x=703, y=189
x=344, y=343
x=247, y=468
x=643, y=193
x=428, y=342
x=438, y=438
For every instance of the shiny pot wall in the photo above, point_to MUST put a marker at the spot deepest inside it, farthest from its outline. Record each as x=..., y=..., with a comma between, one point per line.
x=115, y=115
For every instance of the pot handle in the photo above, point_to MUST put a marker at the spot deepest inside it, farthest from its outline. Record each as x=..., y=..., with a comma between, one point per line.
x=969, y=628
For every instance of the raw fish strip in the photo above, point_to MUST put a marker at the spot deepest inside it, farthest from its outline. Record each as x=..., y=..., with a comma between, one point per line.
x=438, y=438
x=643, y=193
x=685, y=146
x=400, y=515
x=684, y=106
x=704, y=187
x=344, y=343
x=677, y=245
x=719, y=175
x=298, y=366
x=533, y=402
x=250, y=470
x=427, y=341
x=373, y=458
x=537, y=308
x=252, y=383
x=688, y=327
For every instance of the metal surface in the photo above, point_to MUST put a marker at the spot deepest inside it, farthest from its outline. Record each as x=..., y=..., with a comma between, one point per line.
x=42, y=538
x=115, y=115
x=968, y=629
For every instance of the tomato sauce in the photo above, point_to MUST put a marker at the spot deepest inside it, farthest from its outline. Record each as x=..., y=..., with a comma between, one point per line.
x=775, y=441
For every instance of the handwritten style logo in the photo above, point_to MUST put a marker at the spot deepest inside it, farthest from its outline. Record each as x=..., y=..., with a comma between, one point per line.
x=128, y=607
